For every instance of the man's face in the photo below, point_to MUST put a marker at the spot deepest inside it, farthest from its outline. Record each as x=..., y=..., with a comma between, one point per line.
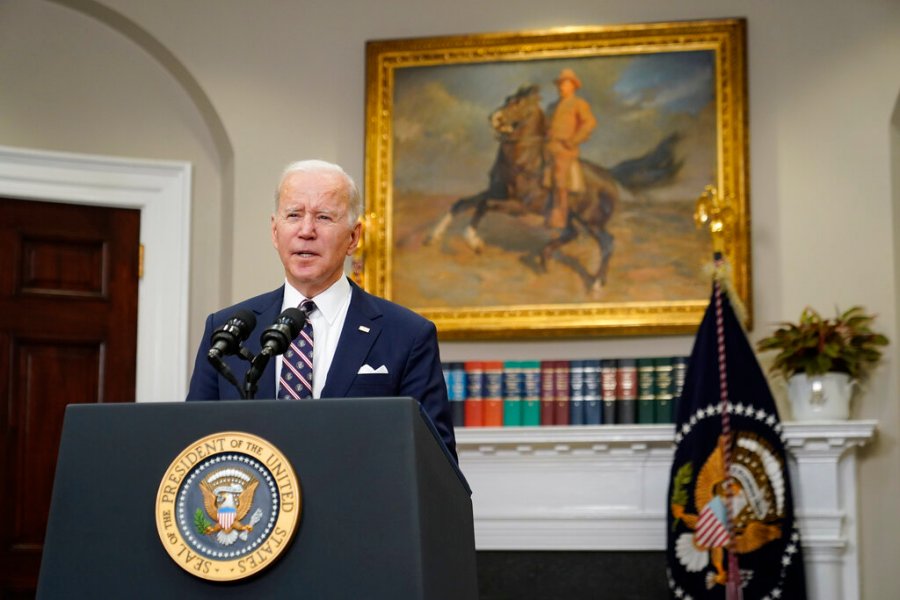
x=566, y=88
x=310, y=230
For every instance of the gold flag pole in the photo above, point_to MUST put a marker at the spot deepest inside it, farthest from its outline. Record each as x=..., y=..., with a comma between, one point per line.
x=713, y=211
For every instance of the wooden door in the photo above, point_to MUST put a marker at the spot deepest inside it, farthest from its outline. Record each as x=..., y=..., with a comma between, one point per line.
x=68, y=332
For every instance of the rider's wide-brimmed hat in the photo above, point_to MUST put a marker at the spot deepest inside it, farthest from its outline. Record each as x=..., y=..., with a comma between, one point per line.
x=570, y=75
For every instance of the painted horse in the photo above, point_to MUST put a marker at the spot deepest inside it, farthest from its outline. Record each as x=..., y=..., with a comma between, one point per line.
x=516, y=185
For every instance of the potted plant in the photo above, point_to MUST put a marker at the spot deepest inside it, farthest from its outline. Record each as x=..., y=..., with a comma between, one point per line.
x=823, y=359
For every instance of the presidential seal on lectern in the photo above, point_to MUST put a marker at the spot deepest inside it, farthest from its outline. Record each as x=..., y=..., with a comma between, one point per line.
x=228, y=506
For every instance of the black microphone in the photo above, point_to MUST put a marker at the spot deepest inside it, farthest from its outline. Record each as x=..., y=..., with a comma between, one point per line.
x=277, y=337
x=227, y=338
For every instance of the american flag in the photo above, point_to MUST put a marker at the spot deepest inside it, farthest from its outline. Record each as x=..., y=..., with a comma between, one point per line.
x=712, y=531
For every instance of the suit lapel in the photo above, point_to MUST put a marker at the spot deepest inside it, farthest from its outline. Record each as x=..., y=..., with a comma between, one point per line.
x=361, y=328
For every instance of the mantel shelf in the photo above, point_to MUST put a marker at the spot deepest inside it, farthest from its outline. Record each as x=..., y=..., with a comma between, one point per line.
x=796, y=434
x=604, y=488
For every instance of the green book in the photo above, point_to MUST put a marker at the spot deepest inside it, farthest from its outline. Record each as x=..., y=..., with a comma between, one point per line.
x=679, y=372
x=646, y=376
x=512, y=393
x=665, y=390
x=531, y=400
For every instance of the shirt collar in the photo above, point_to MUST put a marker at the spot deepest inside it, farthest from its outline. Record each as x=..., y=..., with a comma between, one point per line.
x=328, y=303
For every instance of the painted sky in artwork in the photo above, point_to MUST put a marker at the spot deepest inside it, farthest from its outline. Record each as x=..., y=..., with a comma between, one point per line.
x=443, y=142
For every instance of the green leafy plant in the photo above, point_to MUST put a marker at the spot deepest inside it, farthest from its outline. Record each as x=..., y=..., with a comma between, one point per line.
x=201, y=523
x=680, y=491
x=814, y=345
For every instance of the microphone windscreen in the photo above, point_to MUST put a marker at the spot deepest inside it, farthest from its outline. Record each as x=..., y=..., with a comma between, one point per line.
x=247, y=322
x=294, y=319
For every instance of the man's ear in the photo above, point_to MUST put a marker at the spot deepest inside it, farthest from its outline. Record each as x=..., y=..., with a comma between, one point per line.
x=274, y=234
x=354, y=238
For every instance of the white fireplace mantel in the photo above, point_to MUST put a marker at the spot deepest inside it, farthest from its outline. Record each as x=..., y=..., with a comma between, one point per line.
x=604, y=488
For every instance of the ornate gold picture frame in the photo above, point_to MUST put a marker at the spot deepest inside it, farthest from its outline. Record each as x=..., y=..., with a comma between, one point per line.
x=462, y=178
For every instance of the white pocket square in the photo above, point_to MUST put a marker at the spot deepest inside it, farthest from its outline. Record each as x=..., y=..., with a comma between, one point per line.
x=368, y=370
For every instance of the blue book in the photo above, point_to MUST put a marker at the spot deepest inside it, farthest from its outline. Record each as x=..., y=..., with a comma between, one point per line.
x=593, y=407
x=576, y=392
x=455, y=375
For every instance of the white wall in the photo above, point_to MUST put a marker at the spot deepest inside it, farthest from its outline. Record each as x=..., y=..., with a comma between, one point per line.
x=70, y=83
x=286, y=80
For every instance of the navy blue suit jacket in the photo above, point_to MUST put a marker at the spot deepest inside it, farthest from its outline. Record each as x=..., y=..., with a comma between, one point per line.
x=376, y=332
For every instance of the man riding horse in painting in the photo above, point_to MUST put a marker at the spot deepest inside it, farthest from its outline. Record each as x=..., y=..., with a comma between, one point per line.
x=570, y=123
x=516, y=181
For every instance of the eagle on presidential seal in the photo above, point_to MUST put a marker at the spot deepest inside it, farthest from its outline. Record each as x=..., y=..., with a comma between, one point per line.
x=757, y=506
x=228, y=498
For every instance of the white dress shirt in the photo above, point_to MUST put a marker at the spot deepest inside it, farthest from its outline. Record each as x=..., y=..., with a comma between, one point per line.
x=327, y=322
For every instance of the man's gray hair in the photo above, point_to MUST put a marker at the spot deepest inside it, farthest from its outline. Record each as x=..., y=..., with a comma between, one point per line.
x=354, y=200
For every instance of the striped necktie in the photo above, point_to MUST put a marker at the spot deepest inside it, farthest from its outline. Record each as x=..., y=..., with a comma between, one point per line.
x=296, y=381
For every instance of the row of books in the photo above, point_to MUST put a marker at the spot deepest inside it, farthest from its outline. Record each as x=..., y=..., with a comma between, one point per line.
x=564, y=392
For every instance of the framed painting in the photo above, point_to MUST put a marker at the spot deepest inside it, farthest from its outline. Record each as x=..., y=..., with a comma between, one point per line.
x=544, y=183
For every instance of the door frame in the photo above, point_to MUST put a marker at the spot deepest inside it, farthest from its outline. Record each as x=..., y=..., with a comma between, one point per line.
x=161, y=190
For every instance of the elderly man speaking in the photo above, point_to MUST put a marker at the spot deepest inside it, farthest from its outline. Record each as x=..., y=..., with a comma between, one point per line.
x=355, y=344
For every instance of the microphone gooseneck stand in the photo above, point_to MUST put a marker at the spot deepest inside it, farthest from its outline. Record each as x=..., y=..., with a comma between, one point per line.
x=216, y=360
x=257, y=366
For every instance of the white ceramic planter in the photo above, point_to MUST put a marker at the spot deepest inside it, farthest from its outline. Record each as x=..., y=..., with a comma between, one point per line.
x=820, y=397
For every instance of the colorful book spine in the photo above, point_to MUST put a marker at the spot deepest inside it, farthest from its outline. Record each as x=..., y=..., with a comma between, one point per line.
x=665, y=390
x=679, y=373
x=626, y=400
x=493, y=393
x=531, y=400
x=455, y=376
x=646, y=403
x=593, y=410
x=513, y=393
x=547, y=392
x=576, y=392
x=474, y=411
x=561, y=392
x=609, y=389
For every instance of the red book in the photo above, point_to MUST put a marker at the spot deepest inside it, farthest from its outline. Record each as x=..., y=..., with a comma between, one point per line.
x=547, y=396
x=561, y=392
x=609, y=389
x=627, y=389
x=493, y=393
x=474, y=409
